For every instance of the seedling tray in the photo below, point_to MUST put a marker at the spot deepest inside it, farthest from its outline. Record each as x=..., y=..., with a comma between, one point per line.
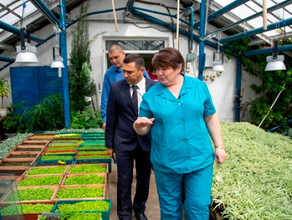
x=76, y=166
x=105, y=214
x=68, y=176
x=103, y=186
x=45, y=167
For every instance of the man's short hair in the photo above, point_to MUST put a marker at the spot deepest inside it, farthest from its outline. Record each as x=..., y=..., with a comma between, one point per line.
x=115, y=47
x=138, y=59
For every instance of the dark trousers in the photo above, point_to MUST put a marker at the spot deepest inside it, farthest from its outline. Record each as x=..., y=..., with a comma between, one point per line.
x=125, y=165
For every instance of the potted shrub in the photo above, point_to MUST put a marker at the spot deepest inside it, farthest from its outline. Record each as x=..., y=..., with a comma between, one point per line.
x=4, y=92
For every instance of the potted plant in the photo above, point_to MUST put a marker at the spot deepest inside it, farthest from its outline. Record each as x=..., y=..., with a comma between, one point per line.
x=4, y=92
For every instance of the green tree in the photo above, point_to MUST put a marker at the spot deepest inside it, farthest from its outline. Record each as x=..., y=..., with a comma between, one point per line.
x=81, y=84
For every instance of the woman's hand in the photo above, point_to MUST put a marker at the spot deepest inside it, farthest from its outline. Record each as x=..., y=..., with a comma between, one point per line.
x=220, y=155
x=142, y=125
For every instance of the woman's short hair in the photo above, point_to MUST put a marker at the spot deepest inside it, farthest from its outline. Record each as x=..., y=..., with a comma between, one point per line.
x=168, y=57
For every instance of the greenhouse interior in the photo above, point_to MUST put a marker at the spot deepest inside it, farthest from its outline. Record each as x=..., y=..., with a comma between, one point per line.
x=55, y=55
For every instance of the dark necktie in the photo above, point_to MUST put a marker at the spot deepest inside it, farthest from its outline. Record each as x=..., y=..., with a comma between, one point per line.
x=135, y=98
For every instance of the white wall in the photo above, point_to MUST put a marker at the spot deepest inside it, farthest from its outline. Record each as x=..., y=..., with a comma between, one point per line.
x=222, y=88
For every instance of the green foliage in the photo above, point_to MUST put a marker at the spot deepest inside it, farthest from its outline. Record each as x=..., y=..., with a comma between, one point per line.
x=32, y=194
x=46, y=170
x=80, y=192
x=56, y=157
x=94, y=156
x=86, y=119
x=98, y=205
x=37, y=208
x=272, y=84
x=61, y=148
x=40, y=181
x=4, y=90
x=87, y=168
x=13, y=122
x=80, y=216
x=92, y=152
x=47, y=115
x=85, y=179
x=9, y=143
x=256, y=174
x=80, y=83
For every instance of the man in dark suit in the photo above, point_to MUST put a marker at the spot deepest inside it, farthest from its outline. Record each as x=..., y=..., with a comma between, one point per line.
x=121, y=139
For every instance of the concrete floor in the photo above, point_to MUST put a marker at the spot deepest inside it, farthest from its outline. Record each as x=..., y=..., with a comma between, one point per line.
x=152, y=206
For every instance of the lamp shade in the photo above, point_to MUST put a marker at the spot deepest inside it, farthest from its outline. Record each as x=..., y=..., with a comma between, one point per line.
x=275, y=63
x=218, y=68
x=218, y=62
x=57, y=62
x=26, y=57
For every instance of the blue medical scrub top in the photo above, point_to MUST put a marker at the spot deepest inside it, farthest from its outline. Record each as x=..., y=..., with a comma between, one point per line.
x=180, y=140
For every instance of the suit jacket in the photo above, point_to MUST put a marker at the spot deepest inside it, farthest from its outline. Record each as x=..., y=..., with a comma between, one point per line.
x=120, y=118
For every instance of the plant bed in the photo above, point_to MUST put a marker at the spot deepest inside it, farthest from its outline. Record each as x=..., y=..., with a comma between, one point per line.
x=92, y=156
x=43, y=180
x=30, y=211
x=92, y=143
x=67, y=136
x=21, y=156
x=255, y=180
x=48, y=170
x=30, y=147
x=18, y=160
x=90, y=152
x=89, y=206
x=54, y=152
x=23, y=153
x=64, y=148
x=16, y=164
x=33, y=193
x=84, y=179
x=38, y=142
x=41, y=136
x=88, y=168
x=16, y=170
x=56, y=158
x=80, y=192
x=93, y=148
x=63, y=144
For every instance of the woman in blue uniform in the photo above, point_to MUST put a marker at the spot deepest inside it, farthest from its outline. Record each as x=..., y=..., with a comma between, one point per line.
x=181, y=115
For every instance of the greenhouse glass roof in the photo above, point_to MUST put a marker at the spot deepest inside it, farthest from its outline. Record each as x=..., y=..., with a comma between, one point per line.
x=246, y=16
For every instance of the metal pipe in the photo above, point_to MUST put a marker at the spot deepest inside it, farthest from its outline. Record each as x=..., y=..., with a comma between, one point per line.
x=238, y=90
x=177, y=25
x=6, y=59
x=191, y=24
x=221, y=11
x=202, y=55
x=63, y=45
x=14, y=30
x=282, y=23
x=46, y=12
x=273, y=8
x=268, y=50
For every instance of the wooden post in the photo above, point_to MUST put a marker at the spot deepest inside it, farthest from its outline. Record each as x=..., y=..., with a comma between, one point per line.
x=265, y=14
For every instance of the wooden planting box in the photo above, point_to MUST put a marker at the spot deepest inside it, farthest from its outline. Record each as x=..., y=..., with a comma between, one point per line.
x=74, y=175
x=54, y=168
x=36, y=194
x=35, y=177
x=76, y=166
x=91, y=188
x=41, y=137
